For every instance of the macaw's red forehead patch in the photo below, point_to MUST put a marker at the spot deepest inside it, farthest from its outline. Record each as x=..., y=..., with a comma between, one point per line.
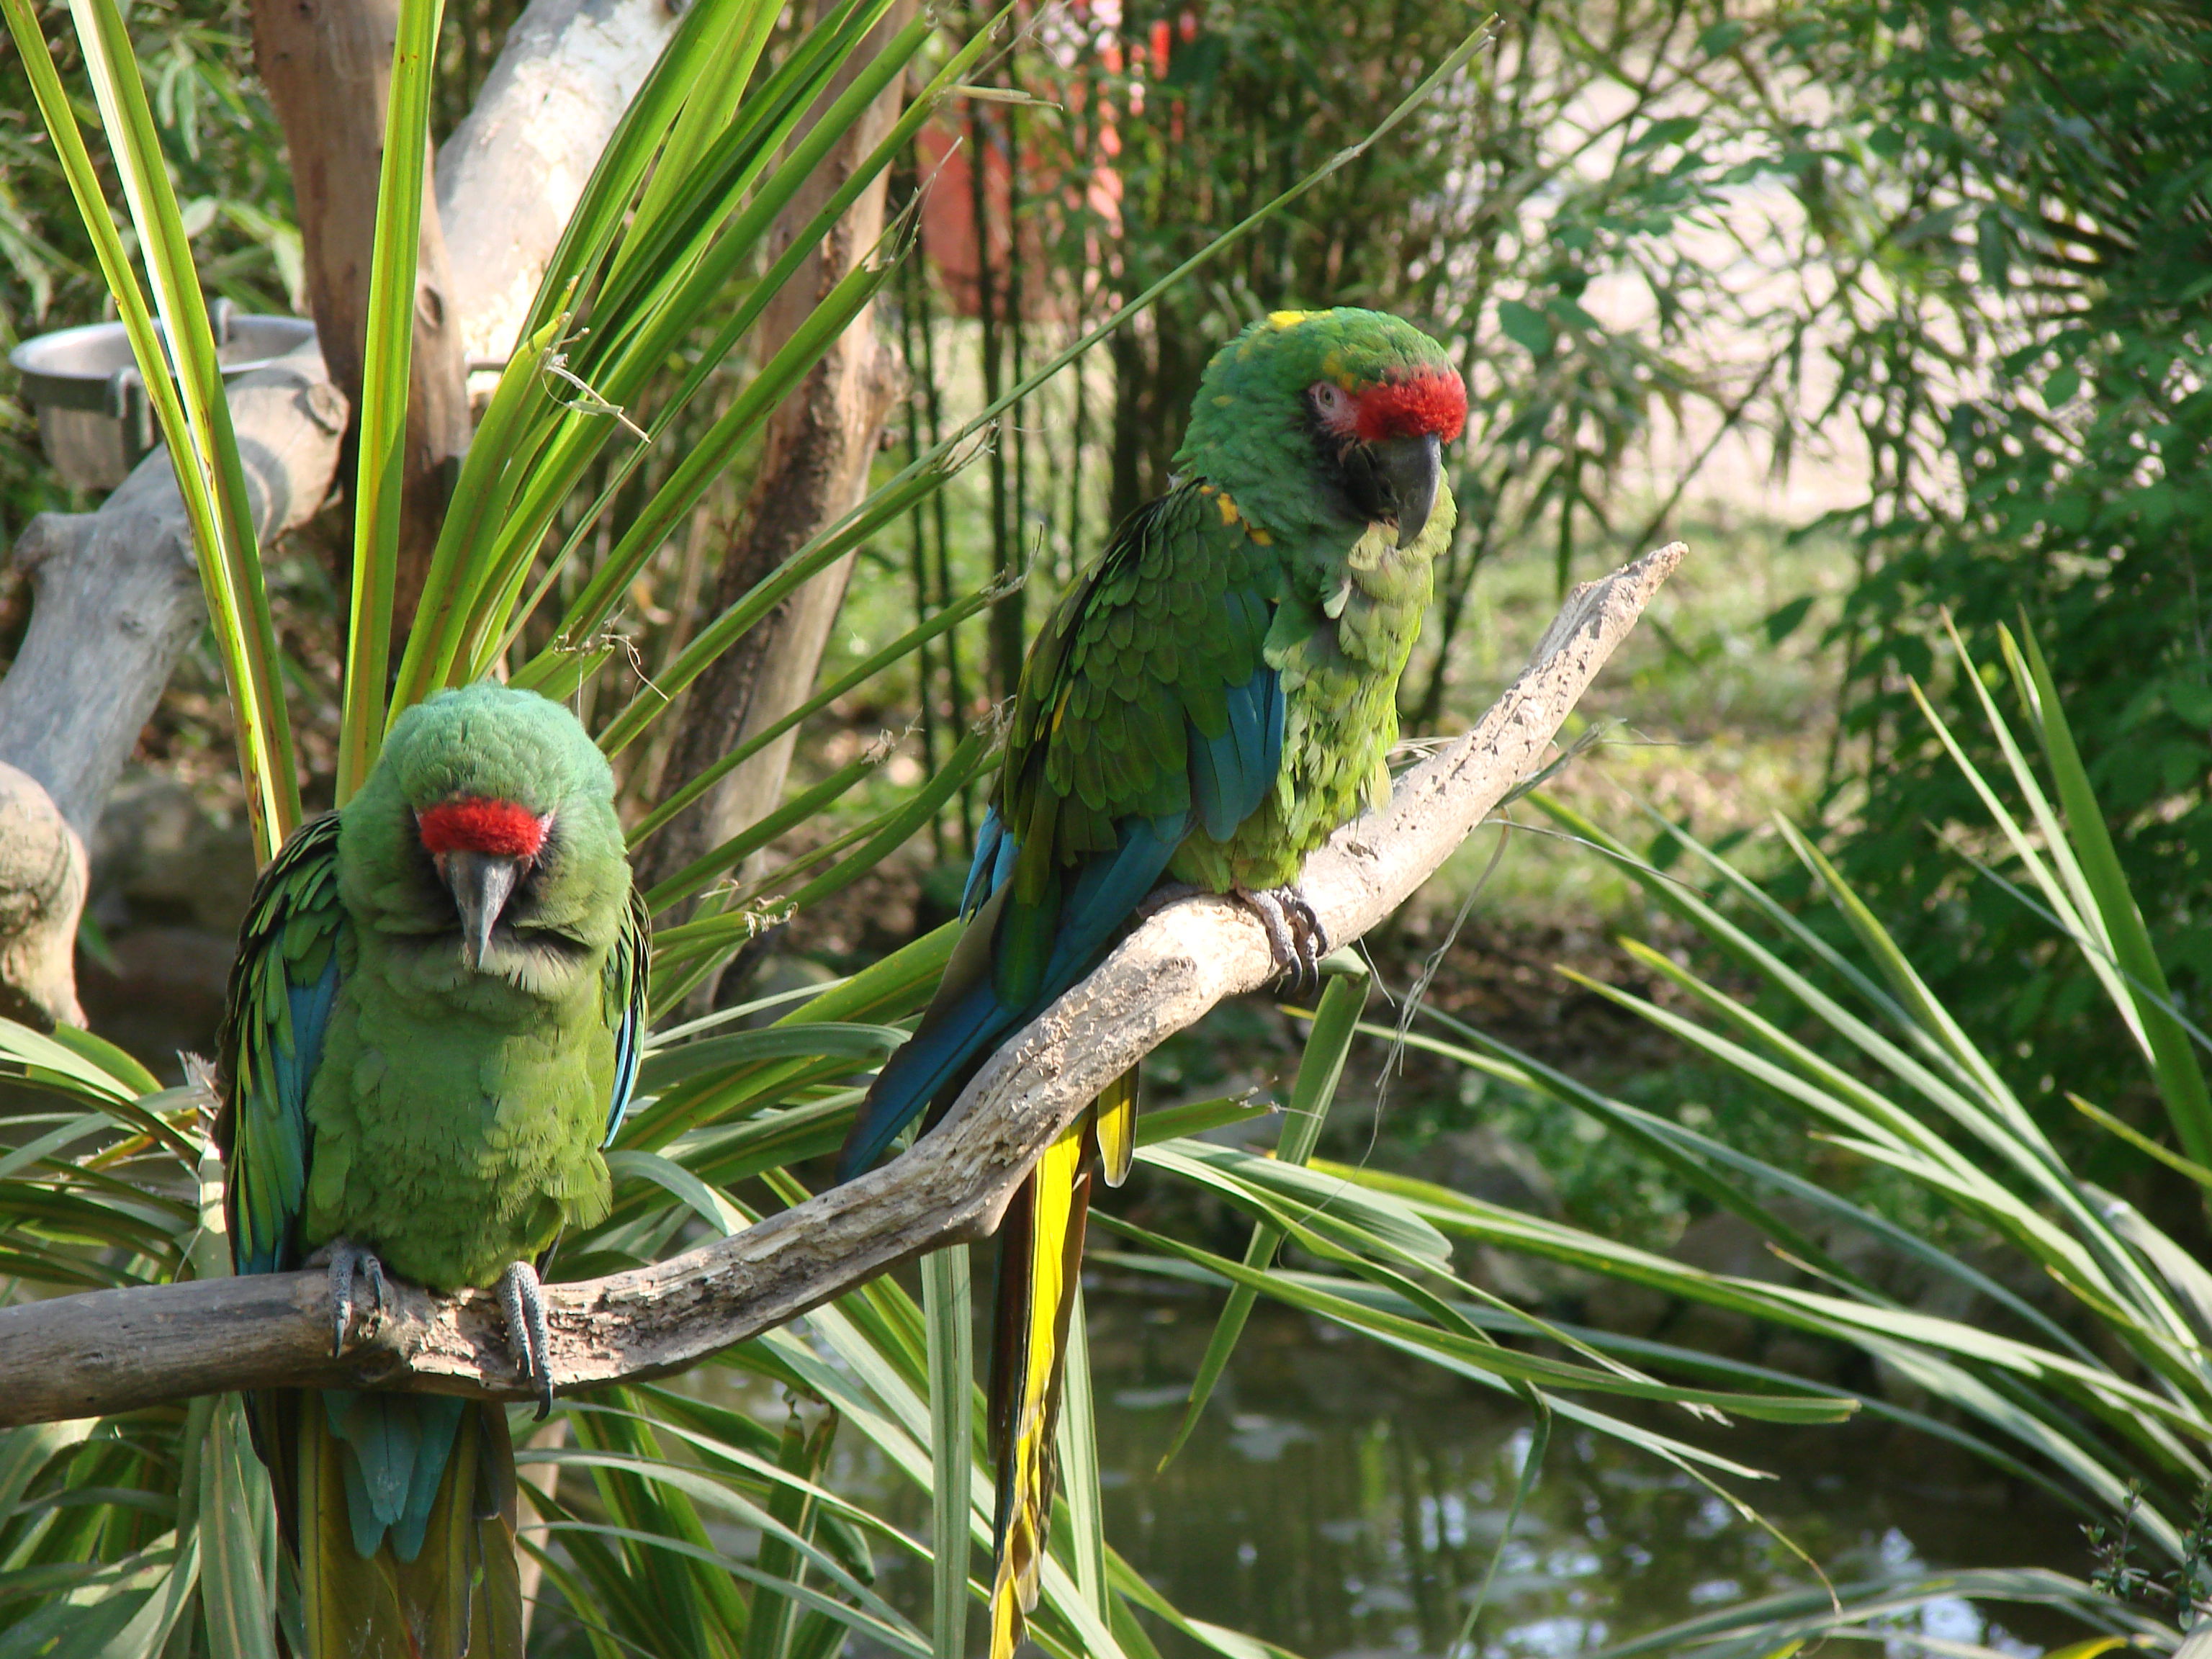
x=475, y=824
x=1432, y=401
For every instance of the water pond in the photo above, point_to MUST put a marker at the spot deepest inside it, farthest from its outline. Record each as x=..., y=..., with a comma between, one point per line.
x=1345, y=1502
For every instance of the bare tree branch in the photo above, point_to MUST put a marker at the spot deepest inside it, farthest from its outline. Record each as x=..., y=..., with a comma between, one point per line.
x=109, y=1351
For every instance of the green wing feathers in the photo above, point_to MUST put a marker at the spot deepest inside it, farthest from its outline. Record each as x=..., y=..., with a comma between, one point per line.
x=282, y=989
x=1142, y=653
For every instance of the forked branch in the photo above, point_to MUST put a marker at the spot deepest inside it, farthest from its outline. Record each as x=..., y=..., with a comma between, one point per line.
x=109, y=1351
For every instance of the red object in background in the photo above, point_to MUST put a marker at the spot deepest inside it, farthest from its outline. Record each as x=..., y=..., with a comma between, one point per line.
x=1050, y=190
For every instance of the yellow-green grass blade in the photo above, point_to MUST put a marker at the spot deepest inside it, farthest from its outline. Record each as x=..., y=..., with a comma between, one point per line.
x=802, y=808
x=237, y=1526
x=2142, y=1142
x=868, y=1388
x=771, y=1616
x=54, y=1061
x=490, y=474
x=690, y=949
x=675, y=227
x=189, y=406
x=386, y=363
x=1739, y=1175
x=947, y=1308
x=2053, y=865
x=714, y=93
x=1933, y=1163
x=903, y=647
x=665, y=1498
x=690, y=479
x=569, y=446
x=2012, y=1130
x=823, y=549
x=640, y=1490
x=1524, y=1482
x=1075, y=1436
x=2174, y=1062
x=1537, y=1370
x=1335, y=1022
x=604, y=209
x=1879, y=1610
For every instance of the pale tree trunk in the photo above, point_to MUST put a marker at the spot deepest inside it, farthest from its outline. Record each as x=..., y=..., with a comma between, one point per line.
x=116, y=596
x=814, y=471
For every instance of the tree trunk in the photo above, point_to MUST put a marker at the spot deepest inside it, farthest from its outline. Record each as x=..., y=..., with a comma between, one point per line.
x=117, y=599
x=327, y=65
x=814, y=469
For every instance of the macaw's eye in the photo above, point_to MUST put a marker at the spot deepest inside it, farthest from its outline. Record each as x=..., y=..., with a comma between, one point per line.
x=1330, y=401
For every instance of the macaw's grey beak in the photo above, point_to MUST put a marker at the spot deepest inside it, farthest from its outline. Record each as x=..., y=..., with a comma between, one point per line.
x=481, y=883
x=1407, y=473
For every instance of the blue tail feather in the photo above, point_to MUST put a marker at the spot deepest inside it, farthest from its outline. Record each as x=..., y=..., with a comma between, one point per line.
x=397, y=1447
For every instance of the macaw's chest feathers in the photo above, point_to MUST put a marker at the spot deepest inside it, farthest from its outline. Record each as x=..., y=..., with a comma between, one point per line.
x=457, y=1144
x=1340, y=641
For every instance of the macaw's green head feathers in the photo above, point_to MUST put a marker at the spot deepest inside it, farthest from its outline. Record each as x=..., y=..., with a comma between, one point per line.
x=489, y=807
x=1312, y=414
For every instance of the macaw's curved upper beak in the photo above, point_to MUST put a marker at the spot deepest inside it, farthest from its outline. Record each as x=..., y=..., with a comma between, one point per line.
x=481, y=883
x=1409, y=471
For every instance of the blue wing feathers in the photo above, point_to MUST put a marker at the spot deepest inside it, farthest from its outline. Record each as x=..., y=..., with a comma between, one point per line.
x=1112, y=761
x=626, y=992
x=1231, y=774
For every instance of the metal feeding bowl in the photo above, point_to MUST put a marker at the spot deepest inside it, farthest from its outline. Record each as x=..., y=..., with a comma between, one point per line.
x=94, y=421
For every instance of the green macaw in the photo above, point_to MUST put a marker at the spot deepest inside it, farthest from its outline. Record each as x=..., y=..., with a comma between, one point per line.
x=1213, y=698
x=433, y=1030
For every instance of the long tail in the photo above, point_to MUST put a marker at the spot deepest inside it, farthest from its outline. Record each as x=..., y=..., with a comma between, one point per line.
x=402, y=1510
x=1040, y=1266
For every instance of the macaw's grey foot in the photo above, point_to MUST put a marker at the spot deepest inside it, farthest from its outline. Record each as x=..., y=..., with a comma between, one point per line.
x=347, y=1262
x=1162, y=897
x=522, y=1299
x=1296, y=937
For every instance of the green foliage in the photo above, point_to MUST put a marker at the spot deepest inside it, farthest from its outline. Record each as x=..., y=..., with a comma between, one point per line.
x=2077, y=1367
x=2031, y=183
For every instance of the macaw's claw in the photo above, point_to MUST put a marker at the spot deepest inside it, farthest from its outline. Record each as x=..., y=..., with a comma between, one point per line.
x=1167, y=893
x=522, y=1299
x=347, y=1262
x=1296, y=937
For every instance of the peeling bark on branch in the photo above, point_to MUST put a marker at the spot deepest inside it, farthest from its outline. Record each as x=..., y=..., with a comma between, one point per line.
x=109, y=1351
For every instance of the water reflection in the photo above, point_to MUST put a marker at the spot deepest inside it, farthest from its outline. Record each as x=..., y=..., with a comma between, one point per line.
x=1344, y=1501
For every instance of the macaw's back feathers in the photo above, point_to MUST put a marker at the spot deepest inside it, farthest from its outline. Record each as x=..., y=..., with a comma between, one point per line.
x=1130, y=726
x=434, y=1026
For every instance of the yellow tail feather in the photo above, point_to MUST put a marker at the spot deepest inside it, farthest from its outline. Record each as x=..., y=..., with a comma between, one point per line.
x=1116, y=1115
x=1041, y=1256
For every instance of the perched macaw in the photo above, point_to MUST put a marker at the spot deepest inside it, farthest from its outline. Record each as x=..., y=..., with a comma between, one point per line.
x=433, y=1030
x=1213, y=698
